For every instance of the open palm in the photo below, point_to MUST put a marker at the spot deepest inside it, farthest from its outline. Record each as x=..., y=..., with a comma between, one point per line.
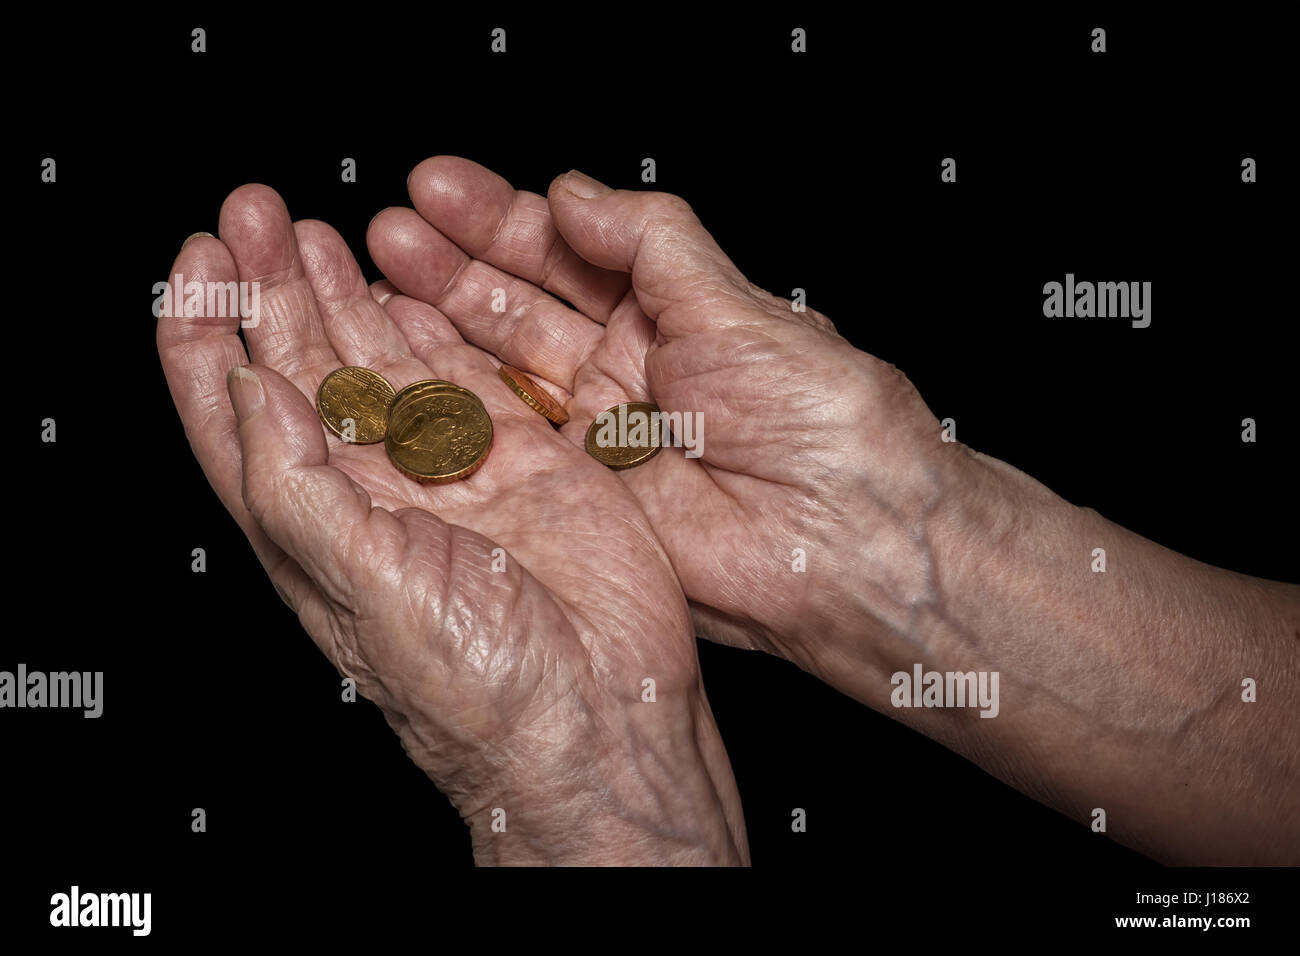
x=625, y=297
x=524, y=685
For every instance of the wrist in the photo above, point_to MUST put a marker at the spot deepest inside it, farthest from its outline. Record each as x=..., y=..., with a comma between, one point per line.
x=633, y=789
x=937, y=577
x=889, y=598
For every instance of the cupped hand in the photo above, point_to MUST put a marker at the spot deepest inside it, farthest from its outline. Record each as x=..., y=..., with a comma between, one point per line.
x=806, y=513
x=518, y=689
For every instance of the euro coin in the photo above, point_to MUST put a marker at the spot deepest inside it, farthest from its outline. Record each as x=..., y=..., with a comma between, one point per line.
x=437, y=431
x=626, y=435
x=533, y=394
x=353, y=403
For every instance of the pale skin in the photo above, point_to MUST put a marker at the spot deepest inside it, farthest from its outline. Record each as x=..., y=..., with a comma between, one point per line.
x=1118, y=690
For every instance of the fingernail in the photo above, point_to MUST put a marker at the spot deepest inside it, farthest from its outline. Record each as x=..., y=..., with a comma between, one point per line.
x=584, y=187
x=246, y=393
x=194, y=236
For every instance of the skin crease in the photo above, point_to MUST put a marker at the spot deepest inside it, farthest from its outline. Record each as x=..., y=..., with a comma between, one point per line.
x=1118, y=690
x=518, y=690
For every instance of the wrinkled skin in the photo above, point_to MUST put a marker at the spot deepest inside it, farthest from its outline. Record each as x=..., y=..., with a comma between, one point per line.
x=917, y=549
x=519, y=690
x=808, y=443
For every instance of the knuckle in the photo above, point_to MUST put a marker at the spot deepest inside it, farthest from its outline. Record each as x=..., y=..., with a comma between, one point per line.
x=668, y=206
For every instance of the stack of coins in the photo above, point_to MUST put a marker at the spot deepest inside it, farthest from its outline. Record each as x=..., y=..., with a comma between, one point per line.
x=437, y=431
x=433, y=431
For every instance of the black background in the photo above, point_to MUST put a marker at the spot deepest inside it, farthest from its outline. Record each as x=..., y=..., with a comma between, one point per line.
x=818, y=171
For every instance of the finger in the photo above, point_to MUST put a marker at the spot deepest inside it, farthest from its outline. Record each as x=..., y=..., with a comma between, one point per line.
x=425, y=328
x=358, y=328
x=512, y=230
x=288, y=334
x=678, y=272
x=501, y=313
x=317, y=514
x=197, y=352
x=449, y=357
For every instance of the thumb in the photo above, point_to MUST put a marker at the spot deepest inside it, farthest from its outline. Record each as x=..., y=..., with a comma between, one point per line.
x=318, y=515
x=678, y=272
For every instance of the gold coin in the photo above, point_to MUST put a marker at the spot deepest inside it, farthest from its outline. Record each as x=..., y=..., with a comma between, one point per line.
x=437, y=431
x=626, y=435
x=533, y=394
x=357, y=394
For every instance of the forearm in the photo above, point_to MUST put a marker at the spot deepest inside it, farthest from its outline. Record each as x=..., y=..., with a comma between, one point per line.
x=1119, y=689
